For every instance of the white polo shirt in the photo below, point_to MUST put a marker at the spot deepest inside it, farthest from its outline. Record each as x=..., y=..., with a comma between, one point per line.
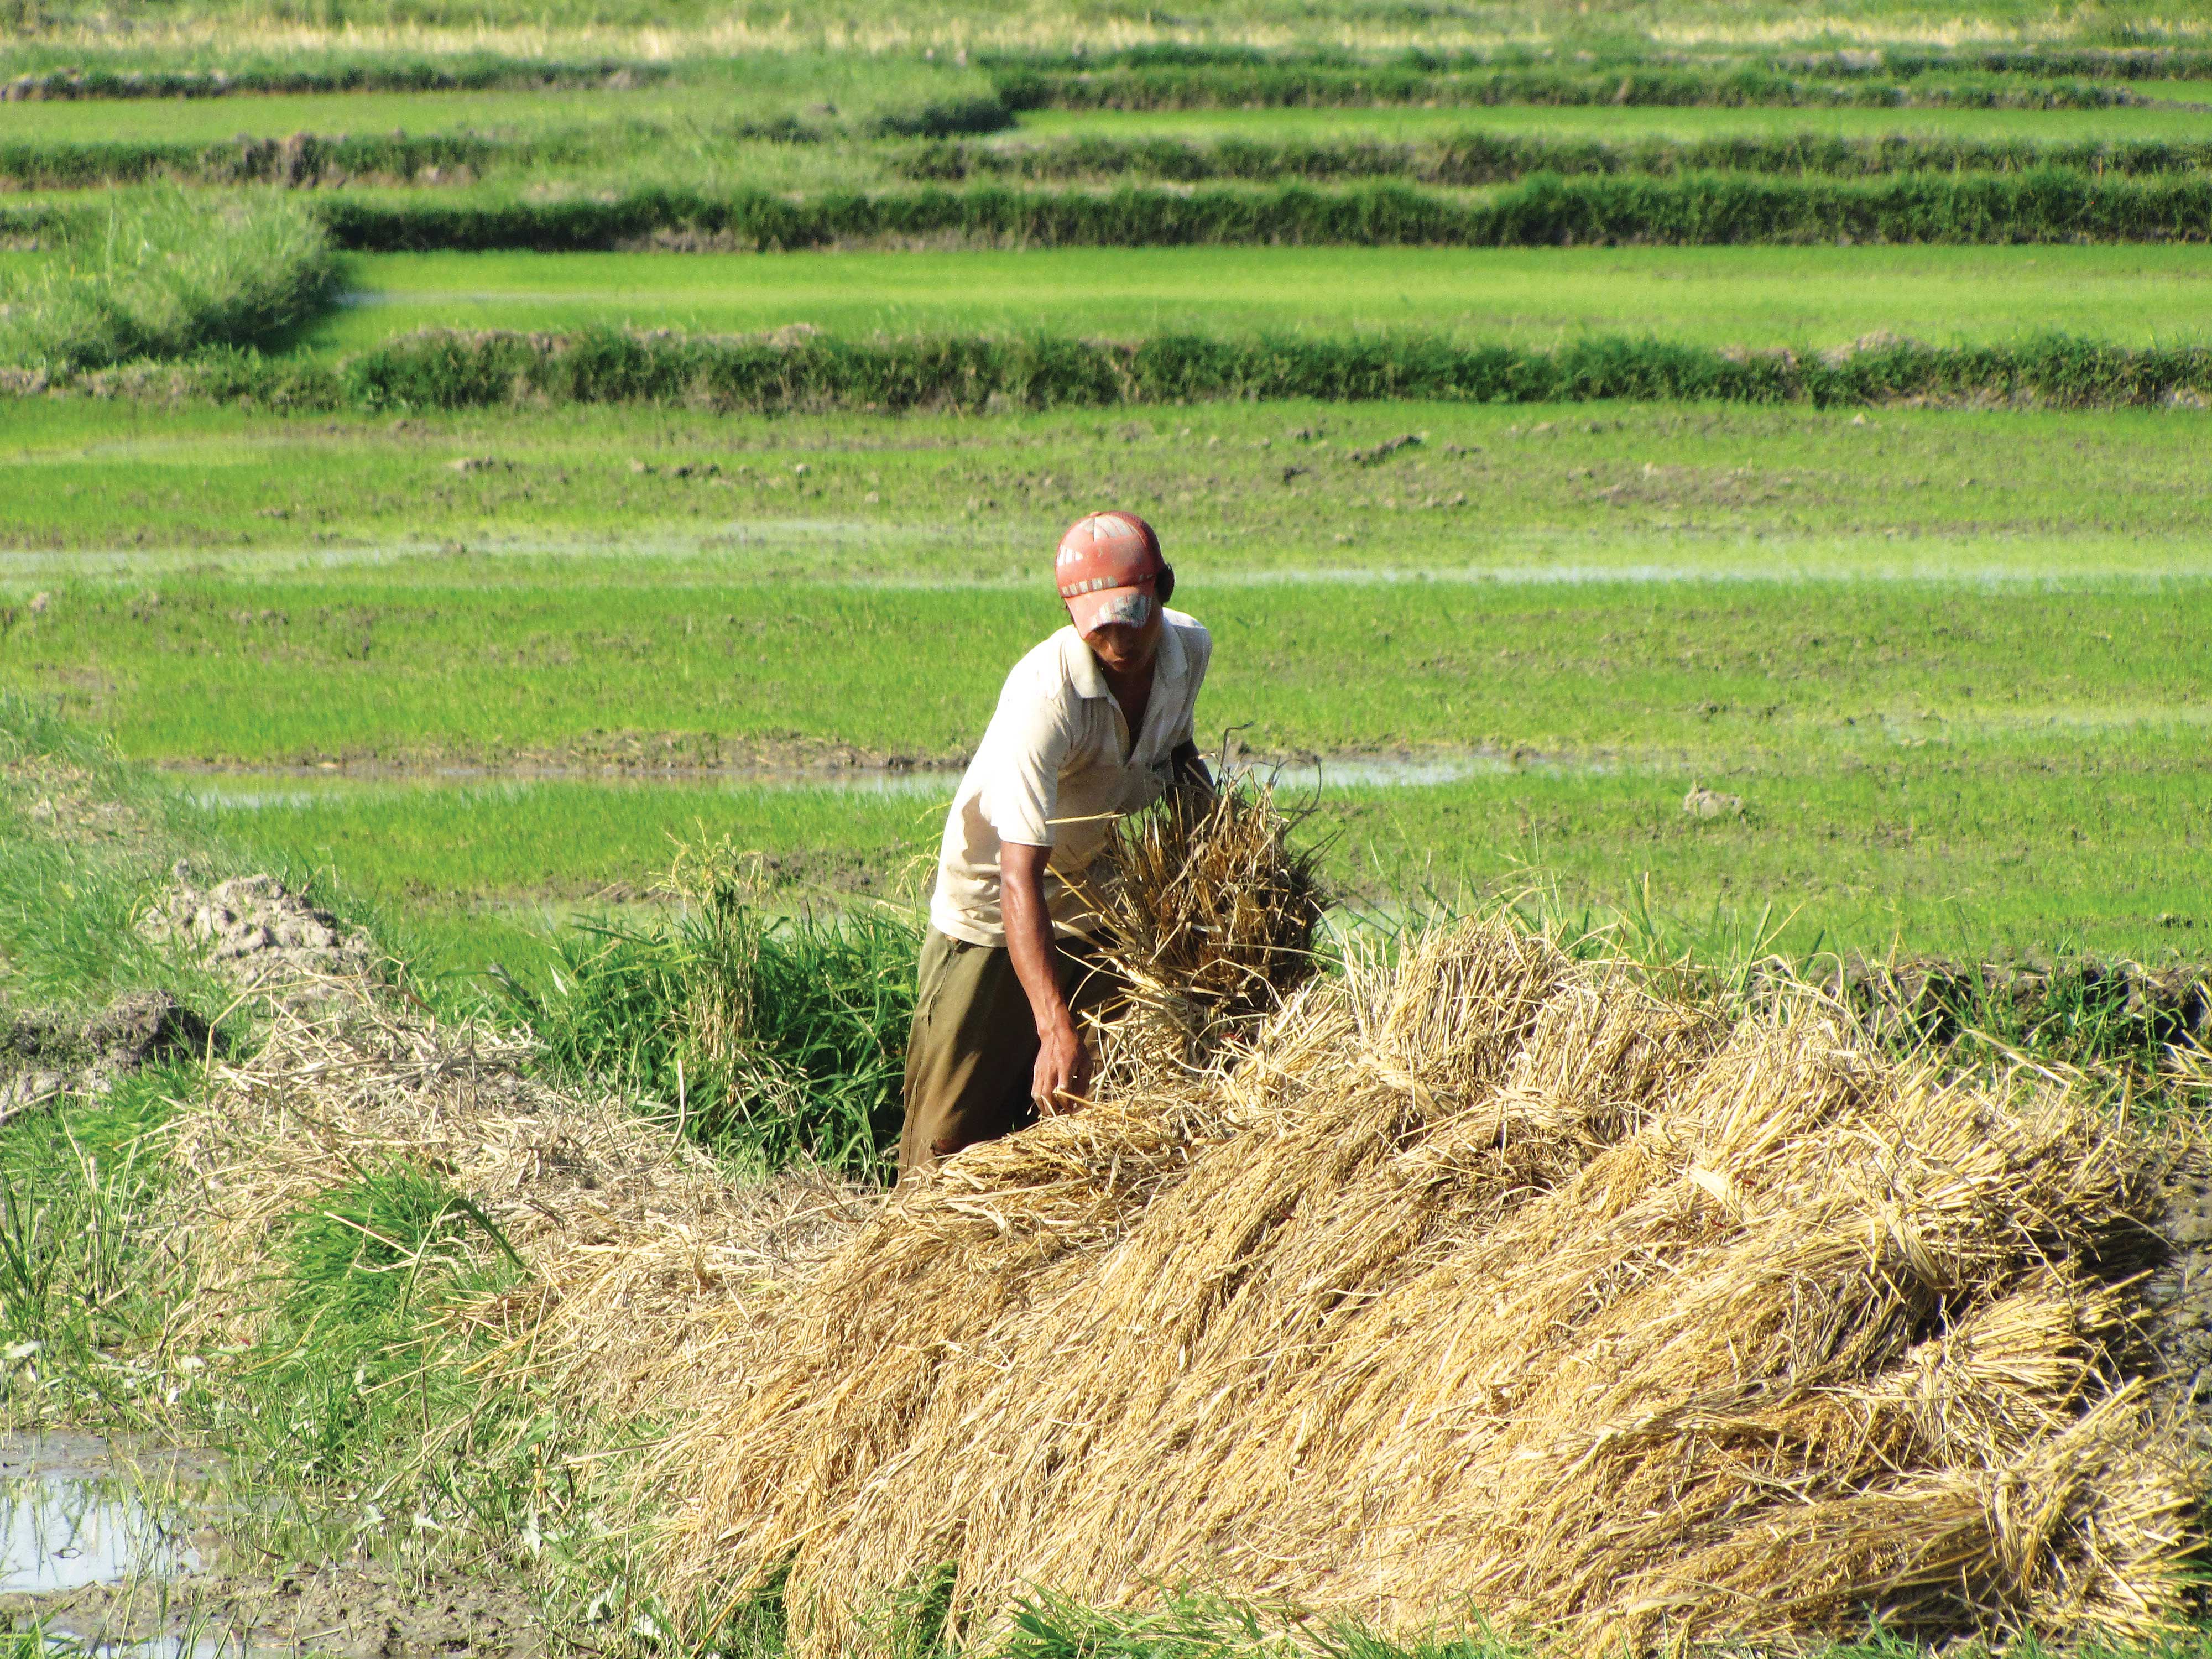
x=1055, y=768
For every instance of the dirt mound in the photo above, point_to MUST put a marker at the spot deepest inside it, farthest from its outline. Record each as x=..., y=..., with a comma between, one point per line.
x=46, y=1054
x=252, y=930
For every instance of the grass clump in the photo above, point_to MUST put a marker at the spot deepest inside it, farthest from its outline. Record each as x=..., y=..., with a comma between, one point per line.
x=359, y=1366
x=162, y=275
x=366, y=1251
x=778, y=1040
x=77, y=1183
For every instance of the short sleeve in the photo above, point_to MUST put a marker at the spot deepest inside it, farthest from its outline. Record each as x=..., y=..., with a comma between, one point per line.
x=1024, y=750
x=1198, y=647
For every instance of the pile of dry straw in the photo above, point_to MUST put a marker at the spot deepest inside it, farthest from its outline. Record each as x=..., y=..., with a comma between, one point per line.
x=1477, y=1281
x=1473, y=1281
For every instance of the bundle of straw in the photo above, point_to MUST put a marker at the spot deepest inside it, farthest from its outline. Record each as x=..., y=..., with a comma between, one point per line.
x=1212, y=912
x=1485, y=1283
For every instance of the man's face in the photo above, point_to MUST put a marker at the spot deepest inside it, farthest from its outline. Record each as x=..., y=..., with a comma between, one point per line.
x=1125, y=648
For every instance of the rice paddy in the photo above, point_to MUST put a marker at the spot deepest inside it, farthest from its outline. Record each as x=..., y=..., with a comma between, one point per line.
x=635, y=723
x=1758, y=297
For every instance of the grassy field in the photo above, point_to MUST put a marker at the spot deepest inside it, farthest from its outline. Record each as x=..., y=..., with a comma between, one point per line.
x=1928, y=845
x=1248, y=492
x=1618, y=608
x=1722, y=296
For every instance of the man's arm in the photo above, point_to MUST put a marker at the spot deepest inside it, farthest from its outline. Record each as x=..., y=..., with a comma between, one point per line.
x=1063, y=1065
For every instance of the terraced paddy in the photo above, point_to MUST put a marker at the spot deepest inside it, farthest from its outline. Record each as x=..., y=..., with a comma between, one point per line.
x=1759, y=297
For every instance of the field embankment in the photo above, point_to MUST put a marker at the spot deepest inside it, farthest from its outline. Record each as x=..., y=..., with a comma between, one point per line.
x=1258, y=82
x=455, y=369
x=1476, y=157
x=2049, y=204
x=433, y=370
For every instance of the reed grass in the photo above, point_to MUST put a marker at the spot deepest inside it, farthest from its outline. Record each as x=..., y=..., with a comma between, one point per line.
x=159, y=274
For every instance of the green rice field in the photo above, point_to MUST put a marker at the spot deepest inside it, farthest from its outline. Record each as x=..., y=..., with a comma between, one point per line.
x=1514, y=645
x=1722, y=296
x=1246, y=492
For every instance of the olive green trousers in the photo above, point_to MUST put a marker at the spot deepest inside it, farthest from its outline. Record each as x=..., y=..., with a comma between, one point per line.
x=973, y=1055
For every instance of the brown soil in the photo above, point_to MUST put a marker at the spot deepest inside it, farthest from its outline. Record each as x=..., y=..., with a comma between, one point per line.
x=2179, y=1293
x=365, y=1611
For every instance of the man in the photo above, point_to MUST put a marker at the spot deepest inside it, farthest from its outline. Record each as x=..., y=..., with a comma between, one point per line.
x=1094, y=723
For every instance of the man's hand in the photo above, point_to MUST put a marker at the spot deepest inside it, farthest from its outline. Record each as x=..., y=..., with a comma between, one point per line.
x=1063, y=1068
x=1063, y=1063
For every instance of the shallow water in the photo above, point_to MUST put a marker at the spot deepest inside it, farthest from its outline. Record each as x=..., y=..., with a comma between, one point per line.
x=70, y=1517
x=294, y=788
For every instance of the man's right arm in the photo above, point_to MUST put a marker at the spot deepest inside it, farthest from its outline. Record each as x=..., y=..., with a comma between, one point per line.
x=1063, y=1064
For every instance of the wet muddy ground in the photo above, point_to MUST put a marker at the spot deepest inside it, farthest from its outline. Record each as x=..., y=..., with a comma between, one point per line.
x=118, y=1546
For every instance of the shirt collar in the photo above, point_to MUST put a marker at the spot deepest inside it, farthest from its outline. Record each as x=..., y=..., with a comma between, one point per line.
x=1089, y=679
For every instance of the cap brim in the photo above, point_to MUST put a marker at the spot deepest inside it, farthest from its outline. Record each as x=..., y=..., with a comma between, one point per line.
x=1092, y=611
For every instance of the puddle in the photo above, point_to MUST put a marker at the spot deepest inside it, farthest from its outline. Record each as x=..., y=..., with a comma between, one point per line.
x=70, y=1518
x=296, y=788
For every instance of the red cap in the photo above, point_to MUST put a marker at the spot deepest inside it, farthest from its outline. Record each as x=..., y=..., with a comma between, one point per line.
x=1108, y=571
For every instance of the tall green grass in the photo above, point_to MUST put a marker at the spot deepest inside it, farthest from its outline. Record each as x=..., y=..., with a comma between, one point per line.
x=70, y=897
x=1247, y=84
x=1704, y=208
x=76, y=1182
x=775, y=1039
x=162, y=275
x=1487, y=157
x=448, y=369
